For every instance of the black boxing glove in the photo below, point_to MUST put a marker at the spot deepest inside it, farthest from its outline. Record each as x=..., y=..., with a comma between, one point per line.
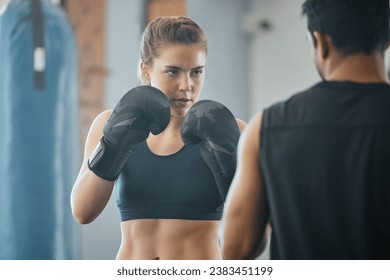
x=141, y=110
x=214, y=125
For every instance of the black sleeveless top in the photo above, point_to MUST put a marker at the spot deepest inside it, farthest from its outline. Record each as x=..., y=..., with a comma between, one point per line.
x=177, y=186
x=325, y=163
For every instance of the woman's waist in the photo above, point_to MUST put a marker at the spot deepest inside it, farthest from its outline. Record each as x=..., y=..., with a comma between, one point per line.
x=169, y=239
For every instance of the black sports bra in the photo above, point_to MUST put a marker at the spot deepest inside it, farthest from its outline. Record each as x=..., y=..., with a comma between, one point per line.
x=177, y=186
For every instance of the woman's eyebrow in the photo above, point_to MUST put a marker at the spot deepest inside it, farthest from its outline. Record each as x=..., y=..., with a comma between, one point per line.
x=178, y=68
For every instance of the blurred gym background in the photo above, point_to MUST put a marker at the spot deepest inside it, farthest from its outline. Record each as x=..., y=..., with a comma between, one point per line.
x=258, y=55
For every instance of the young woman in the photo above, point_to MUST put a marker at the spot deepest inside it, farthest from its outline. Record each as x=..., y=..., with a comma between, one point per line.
x=170, y=195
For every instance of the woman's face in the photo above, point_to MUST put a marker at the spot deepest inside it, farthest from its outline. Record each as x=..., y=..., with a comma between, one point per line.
x=179, y=73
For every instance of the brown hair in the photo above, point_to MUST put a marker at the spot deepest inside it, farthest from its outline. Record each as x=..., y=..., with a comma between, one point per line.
x=163, y=30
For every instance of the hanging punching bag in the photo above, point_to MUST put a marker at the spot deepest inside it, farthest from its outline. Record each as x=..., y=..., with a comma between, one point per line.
x=39, y=134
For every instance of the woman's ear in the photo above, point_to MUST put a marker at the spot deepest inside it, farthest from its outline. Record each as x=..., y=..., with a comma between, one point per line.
x=144, y=70
x=144, y=73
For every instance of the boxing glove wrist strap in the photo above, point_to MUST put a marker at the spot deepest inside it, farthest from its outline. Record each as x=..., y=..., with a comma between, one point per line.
x=222, y=165
x=107, y=160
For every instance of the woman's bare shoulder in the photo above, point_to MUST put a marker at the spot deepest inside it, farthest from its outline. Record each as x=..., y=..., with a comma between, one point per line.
x=102, y=118
x=241, y=124
x=96, y=131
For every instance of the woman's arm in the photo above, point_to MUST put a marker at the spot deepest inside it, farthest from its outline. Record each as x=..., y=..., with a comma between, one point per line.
x=91, y=193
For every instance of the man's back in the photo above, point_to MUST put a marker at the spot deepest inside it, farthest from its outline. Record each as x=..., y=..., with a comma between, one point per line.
x=325, y=162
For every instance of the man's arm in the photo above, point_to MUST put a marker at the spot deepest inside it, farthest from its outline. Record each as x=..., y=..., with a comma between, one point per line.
x=246, y=213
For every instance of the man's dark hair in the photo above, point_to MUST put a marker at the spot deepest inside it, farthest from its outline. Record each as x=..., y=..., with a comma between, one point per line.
x=354, y=25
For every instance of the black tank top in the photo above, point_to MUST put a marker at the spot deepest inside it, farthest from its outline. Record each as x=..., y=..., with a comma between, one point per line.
x=177, y=186
x=325, y=162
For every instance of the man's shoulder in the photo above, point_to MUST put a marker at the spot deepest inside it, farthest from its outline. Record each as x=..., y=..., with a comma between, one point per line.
x=295, y=99
x=291, y=109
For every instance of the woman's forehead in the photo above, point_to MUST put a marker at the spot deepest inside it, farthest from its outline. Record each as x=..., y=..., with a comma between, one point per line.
x=193, y=55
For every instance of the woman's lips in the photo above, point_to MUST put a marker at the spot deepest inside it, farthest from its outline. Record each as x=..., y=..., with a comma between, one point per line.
x=182, y=101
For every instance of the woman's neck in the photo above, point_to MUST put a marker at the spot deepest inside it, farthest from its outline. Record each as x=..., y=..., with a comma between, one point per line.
x=174, y=126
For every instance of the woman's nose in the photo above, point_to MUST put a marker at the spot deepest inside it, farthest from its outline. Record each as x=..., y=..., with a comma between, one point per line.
x=185, y=83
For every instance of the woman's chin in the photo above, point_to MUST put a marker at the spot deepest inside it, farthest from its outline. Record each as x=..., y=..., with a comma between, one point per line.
x=179, y=113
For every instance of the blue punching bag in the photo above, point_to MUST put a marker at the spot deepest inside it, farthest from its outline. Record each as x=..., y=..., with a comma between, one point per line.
x=39, y=133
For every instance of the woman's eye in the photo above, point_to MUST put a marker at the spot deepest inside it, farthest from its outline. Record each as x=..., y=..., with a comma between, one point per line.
x=172, y=72
x=197, y=72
